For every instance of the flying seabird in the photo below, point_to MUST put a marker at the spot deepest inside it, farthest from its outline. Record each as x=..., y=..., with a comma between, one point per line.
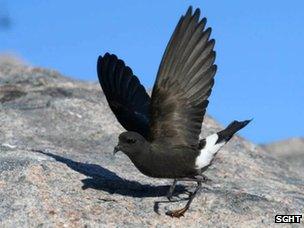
x=162, y=137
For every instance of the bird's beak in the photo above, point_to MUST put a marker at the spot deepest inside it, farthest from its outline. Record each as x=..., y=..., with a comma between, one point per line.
x=116, y=149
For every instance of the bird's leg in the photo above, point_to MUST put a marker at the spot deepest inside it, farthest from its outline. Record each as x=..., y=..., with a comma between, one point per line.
x=171, y=190
x=180, y=212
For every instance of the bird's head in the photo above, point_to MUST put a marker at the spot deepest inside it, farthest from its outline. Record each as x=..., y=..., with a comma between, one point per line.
x=131, y=143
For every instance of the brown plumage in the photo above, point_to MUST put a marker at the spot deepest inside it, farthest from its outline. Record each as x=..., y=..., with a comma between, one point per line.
x=183, y=83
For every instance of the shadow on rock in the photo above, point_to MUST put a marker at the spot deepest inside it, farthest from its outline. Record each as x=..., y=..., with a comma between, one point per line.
x=103, y=179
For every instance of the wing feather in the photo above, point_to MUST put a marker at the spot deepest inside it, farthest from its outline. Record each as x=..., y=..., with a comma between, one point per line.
x=127, y=98
x=183, y=84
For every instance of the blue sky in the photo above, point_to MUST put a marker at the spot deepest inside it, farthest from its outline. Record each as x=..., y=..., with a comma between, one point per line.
x=259, y=44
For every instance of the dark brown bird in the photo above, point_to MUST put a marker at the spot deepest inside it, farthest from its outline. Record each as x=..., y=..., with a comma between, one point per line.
x=162, y=138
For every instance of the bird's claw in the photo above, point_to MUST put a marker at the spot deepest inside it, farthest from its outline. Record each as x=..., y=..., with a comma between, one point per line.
x=177, y=213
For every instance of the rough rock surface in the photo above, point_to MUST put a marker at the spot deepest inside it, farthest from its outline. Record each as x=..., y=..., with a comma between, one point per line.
x=57, y=169
x=290, y=151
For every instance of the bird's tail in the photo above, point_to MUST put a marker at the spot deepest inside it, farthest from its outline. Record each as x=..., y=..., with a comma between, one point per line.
x=231, y=129
x=210, y=145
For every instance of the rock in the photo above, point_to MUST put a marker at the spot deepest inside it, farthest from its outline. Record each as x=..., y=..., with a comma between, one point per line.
x=57, y=169
x=290, y=151
x=10, y=59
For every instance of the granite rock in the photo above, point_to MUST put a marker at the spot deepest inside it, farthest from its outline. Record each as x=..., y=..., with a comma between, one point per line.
x=57, y=169
x=290, y=151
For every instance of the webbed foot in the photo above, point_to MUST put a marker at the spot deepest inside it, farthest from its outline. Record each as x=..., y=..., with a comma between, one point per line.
x=177, y=213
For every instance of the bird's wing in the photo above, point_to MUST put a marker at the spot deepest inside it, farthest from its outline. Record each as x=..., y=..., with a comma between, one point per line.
x=183, y=84
x=127, y=98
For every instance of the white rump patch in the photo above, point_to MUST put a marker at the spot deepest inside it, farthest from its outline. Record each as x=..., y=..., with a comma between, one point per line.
x=208, y=152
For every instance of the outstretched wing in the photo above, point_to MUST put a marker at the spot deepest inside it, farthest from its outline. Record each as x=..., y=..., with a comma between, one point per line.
x=127, y=98
x=183, y=84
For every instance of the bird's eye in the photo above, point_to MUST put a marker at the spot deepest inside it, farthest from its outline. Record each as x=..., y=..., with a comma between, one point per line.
x=131, y=141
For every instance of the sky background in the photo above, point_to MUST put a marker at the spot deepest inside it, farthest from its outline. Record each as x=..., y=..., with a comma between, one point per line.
x=259, y=45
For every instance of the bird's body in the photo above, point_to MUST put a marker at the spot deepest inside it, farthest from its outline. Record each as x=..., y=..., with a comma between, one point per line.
x=162, y=138
x=163, y=161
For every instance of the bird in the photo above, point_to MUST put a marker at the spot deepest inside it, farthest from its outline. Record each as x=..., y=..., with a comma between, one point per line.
x=162, y=131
